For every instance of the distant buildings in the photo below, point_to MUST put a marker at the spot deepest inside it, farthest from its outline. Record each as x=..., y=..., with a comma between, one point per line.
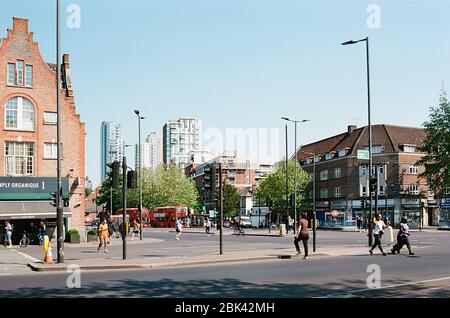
x=180, y=138
x=112, y=145
x=342, y=179
x=152, y=152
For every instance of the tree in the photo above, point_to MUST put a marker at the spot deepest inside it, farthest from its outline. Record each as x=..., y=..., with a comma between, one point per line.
x=87, y=191
x=166, y=186
x=104, y=197
x=436, y=146
x=230, y=200
x=274, y=185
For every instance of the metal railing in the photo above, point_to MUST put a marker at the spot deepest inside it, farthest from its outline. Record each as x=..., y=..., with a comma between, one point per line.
x=337, y=224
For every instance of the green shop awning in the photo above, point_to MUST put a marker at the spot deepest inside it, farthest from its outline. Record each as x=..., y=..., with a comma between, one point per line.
x=13, y=210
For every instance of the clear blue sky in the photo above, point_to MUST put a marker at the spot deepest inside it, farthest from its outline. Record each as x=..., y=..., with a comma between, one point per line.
x=245, y=63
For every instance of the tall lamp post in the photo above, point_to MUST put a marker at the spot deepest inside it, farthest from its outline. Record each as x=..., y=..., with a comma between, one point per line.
x=138, y=114
x=59, y=208
x=370, y=128
x=295, y=166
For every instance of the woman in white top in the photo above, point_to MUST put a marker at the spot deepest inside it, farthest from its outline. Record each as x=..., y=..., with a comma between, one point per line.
x=378, y=230
x=403, y=238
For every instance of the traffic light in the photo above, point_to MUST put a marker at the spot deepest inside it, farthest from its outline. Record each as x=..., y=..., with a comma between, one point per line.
x=113, y=174
x=209, y=178
x=373, y=184
x=132, y=180
x=53, y=203
x=363, y=204
x=66, y=202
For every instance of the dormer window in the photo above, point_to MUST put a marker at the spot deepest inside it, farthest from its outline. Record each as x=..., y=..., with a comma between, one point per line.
x=329, y=156
x=409, y=148
x=342, y=153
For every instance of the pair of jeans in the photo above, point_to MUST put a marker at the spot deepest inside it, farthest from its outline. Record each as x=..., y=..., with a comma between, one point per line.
x=377, y=242
x=304, y=238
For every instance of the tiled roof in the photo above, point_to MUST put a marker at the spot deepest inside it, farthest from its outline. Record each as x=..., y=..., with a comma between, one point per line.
x=389, y=136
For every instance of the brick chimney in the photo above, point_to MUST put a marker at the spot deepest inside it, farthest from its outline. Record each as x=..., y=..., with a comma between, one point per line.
x=351, y=128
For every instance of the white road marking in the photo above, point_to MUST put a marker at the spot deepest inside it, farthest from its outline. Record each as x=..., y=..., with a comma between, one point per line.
x=31, y=258
x=387, y=287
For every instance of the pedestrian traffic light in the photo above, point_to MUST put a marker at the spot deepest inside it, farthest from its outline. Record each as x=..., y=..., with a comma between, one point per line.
x=373, y=184
x=66, y=202
x=53, y=203
x=113, y=174
x=132, y=180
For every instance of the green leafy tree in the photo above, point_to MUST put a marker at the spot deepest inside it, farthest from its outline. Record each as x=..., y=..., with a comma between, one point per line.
x=436, y=146
x=87, y=191
x=104, y=197
x=230, y=200
x=166, y=186
x=274, y=185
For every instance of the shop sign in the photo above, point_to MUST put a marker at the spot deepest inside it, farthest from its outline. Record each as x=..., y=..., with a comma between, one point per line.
x=409, y=202
x=25, y=185
x=342, y=204
x=445, y=203
x=322, y=204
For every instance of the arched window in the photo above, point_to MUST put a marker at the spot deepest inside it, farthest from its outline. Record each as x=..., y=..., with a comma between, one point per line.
x=19, y=114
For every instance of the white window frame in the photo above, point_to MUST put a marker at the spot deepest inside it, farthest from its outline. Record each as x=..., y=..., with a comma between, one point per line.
x=11, y=81
x=20, y=72
x=11, y=160
x=53, y=115
x=324, y=175
x=337, y=192
x=338, y=173
x=409, y=148
x=329, y=156
x=50, y=150
x=413, y=188
x=21, y=111
x=324, y=193
x=413, y=169
x=363, y=190
x=28, y=77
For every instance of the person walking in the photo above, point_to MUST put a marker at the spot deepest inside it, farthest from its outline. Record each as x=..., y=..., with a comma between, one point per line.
x=178, y=228
x=302, y=235
x=403, y=238
x=110, y=231
x=136, y=227
x=290, y=224
x=378, y=231
x=8, y=234
x=42, y=232
x=208, y=226
x=103, y=236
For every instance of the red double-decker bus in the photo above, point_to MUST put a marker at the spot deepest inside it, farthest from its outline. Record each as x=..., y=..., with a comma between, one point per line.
x=165, y=216
x=133, y=214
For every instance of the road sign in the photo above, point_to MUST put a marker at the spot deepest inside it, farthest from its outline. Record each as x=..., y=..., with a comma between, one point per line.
x=363, y=154
x=335, y=213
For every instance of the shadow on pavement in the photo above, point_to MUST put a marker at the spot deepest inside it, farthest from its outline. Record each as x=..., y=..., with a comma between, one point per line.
x=230, y=288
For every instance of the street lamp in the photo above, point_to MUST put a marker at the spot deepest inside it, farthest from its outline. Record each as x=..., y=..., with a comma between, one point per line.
x=370, y=127
x=138, y=114
x=59, y=208
x=295, y=166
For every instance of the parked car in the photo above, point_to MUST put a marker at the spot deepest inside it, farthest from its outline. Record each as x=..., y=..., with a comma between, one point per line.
x=245, y=221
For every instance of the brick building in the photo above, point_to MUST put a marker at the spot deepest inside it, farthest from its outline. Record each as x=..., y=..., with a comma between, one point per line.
x=28, y=136
x=342, y=179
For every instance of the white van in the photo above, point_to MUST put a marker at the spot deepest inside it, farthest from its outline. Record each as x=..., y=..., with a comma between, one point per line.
x=245, y=221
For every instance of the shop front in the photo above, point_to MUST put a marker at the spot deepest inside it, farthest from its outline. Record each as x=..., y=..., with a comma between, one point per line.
x=444, y=216
x=411, y=209
x=26, y=201
x=322, y=208
x=338, y=209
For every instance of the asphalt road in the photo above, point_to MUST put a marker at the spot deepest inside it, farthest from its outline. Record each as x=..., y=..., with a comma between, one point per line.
x=424, y=275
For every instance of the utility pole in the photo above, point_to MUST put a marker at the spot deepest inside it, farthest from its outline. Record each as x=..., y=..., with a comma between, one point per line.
x=124, y=212
x=59, y=208
x=314, y=203
x=287, y=182
x=221, y=209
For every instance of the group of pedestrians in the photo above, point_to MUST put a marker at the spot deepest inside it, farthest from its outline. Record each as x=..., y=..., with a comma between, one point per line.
x=378, y=230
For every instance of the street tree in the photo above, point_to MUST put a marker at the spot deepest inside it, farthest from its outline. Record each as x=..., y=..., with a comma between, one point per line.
x=436, y=147
x=230, y=200
x=274, y=185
